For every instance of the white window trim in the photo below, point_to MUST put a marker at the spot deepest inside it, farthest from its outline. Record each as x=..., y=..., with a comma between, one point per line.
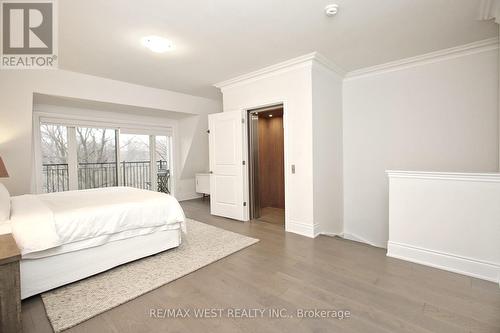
x=118, y=125
x=137, y=128
x=72, y=158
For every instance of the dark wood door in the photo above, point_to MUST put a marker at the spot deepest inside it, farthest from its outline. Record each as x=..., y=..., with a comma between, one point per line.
x=271, y=161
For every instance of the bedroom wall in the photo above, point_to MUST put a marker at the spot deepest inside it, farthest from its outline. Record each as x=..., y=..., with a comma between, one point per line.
x=311, y=91
x=193, y=150
x=293, y=88
x=327, y=149
x=439, y=115
x=16, y=105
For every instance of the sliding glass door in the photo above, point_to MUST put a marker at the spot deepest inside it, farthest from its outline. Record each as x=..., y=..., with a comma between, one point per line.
x=96, y=154
x=54, y=149
x=135, y=160
x=145, y=161
x=84, y=157
x=163, y=163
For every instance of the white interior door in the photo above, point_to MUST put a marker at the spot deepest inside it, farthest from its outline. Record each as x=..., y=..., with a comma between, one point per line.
x=226, y=164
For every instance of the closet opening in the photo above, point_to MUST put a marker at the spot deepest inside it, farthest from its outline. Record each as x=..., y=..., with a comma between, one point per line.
x=267, y=164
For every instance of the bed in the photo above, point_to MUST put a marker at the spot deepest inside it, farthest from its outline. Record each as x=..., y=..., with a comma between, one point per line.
x=67, y=236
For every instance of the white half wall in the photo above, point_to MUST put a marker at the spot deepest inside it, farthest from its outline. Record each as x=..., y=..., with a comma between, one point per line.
x=16, y=112
x=446, y=220
x=439, y=115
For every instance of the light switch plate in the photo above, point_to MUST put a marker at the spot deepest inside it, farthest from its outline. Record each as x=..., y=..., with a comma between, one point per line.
x=293, y=168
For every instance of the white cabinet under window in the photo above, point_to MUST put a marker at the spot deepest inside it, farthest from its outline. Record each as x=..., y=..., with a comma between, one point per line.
x=203, y=183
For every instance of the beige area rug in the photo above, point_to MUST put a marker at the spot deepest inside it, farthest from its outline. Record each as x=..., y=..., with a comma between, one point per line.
x=202, y=245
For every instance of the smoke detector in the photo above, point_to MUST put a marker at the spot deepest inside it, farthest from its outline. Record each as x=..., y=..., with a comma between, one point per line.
x=331, y=10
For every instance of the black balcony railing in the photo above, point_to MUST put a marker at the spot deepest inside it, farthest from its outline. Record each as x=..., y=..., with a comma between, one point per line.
x=56, y=177
x=95, y=175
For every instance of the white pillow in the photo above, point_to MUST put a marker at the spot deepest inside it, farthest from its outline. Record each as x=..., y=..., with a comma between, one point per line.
x=4, y=203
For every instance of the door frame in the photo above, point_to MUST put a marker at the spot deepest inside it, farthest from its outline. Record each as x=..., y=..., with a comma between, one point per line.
x=286, y=145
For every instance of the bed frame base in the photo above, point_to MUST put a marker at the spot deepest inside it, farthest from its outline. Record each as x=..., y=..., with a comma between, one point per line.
x=39, y=275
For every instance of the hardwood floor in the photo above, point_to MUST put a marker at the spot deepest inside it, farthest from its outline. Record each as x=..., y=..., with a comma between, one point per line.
x=289, y=271
x=273, y=215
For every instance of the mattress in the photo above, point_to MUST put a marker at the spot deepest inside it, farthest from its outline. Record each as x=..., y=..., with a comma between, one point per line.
x=100, y=240
x=56, y=223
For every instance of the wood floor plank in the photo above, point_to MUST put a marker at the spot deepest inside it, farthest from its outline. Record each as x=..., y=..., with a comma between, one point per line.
x=289, y=271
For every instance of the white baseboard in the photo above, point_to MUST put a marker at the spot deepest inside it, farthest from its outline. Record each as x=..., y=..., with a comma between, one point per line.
x=308, y=230
x=453, y=263
x=188, y=196
x=356, y=238
x=330, y=234
x=351, y=237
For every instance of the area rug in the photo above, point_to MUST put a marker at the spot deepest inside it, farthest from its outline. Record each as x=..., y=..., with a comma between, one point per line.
x=202, y=245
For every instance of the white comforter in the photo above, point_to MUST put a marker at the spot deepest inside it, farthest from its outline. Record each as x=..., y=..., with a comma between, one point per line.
x=41, y=222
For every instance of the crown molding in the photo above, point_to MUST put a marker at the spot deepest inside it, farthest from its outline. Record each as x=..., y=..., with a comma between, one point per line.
x=321, y=59
x=457, y=176
x=280, y=68
x=450, y=53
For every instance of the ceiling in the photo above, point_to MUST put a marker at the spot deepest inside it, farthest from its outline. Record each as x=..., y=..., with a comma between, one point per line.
x=217, y=40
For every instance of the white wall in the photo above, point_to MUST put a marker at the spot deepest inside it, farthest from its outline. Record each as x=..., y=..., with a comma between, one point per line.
x=438, y=116
x=327, y=149
x=193, y=158
x=446, y=220
x=311, y=91
x=293, y=88
x=16, y=104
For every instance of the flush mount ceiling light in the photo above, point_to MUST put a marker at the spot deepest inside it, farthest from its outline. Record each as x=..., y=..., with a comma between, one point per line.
x=157, y=44
x=331, y=10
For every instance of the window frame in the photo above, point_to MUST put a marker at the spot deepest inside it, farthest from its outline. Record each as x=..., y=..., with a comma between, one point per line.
x=71, y=122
